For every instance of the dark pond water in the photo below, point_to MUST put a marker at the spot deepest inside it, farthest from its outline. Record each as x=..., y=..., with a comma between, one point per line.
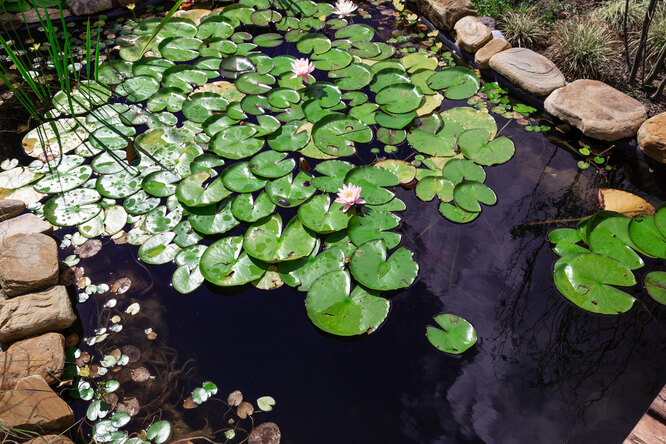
x=542, y=371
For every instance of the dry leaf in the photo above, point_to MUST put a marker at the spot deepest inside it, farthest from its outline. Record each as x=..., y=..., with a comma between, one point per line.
x=190, y=404
x=121, y=285
x=244, y=409
x=116, y=353
x=133, y=309
x=623, y=202
x=89, y=248
x=128, y=405
x=116, y=319
x=235, y=398
x=140, y=374
x=132, y=352
x=152, y=335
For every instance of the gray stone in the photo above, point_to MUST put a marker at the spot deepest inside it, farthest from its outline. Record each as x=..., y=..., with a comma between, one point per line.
x=266, y=433
x=471, y=34
x=10, y=208
x=489, y=22
x=34, y=314
x=652, y=137
x=34, y=16
x=597, y=110
x=497, y=34
x=24, y=224
x=529, y=70
x=89, y=7
x=483, y=55
x=33, y=406
x=445, y=13
x=43, y=355
x=28, y=262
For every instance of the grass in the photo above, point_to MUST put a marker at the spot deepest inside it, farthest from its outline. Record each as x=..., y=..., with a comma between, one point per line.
x=581, y=47
x=492, y=8
x=524, y=28
x=612, y=12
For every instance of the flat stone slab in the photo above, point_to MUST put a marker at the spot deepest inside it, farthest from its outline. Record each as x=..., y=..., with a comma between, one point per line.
x=28, y=262
x=50, y=439
x=445, y=13
x=529, y=70
x=43, y=355
x=483, y=55
x=652, y=137
x=597, y=110
x=24, y=224
x=34, y=314
x=33, y=406
x=10, y=208
x=471, y=34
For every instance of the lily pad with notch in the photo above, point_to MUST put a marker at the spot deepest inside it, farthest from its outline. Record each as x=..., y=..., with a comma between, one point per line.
x=371, y=268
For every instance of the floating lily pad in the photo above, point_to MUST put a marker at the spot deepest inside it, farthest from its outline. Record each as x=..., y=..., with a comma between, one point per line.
x=374, y=225
x=460, y=82
x=265, y=240
x=372, y=269
x=214, y=218
x=248, y=209
x=289, y=191
x=655, y=283
x=236, y=142
x=73, y=207
x=475, y=145
x=239, y=178
x=455, y=335
x=271, y=164
x=334, y=172
x=321, y=215
x=608, y=234
x=194, y=191
x=372, y=180
x=645, y=235
x=456, y=214
x=158, y=249
x=469, y=194
x=336, y=134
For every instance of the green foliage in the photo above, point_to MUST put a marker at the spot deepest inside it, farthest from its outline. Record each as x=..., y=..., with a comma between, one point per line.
x=524, y=28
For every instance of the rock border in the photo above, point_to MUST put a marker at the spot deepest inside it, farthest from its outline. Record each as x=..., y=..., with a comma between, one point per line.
x=539, y=99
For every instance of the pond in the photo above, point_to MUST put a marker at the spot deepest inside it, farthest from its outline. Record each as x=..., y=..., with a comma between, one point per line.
x=541, y=369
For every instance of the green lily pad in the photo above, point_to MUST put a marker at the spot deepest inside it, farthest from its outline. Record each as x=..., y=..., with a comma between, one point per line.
x=399, y=99
x=336, y=134
x=334, y=172
x=464, y=118
x=395, y=121
x=317, y=43
x=352, y=78
x=248, y=209
x=469, y=194
x=213, y=219
x=321, y=215
x=373, y=225
x=456, y=214
x=59, y=182
x=254, y=83
x=73, y=207
x=203, y=105
x=455, y=335
x=225, y=263
x=456, y=170
x=655, y=284
x=140, y=203
x=236, y=142
x=160, y=183
x=289, y=191
x=331, y=60
x=158, y=249
x=185, y=279
x=432, y=186
x=288, y=138
x=118, y=185
x=240, y=179
x=356, y=33
x=439, y=144
x=334, y=308
x=460, y=82
x=193, y=193
x=568, y=235
x=265, y=240
x=161, y=219
x=372, y=269
x=185, y=234
x=215, y=26
x=475, y=145
x=608, y=234
x=660, y=219
x=644, y=234
x=138, y=89
x=303, y=272
x=372, y=179
x=271, y=164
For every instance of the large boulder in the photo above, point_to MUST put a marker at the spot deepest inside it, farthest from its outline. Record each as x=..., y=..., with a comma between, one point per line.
x=483, y=55
x=34, y=314
x=33, y=406
x=43, y=355
x=24, y=224
x=471, y=34
x=597, y=110
x=445, y=13
x=50, y=439
x=28, y=262
x=89, y=7
x=652, y=137
x=529, y=70
x=10, y=208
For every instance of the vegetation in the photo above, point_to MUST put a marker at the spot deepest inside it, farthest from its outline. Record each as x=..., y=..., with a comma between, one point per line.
x=524, y=28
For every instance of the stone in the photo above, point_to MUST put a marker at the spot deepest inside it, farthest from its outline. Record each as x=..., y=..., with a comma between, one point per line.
x=489, y=22
x=33, y=406
x=24, y=224
x=497, y=34
x=529, y=70
x=50, y=439
x=43, y=355
x=89, y=7
x=445, y=13
x=483, y=55
x=266, y=433
x=33, y=16
x=471, y=34
x=652, y=137
x=36, y=313
x=596, y=109
x=10, y=208
x=28, y=262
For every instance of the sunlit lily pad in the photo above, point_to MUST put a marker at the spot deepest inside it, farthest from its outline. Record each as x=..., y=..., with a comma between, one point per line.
x=455, y=335
x=73, y=207
x=214, y=218
x=248, y=209
x=323, y=216
x=158, y=249
x=655, y=284
x=289, y=191
x=371, y=268
x=265, y=240
x=475, y=145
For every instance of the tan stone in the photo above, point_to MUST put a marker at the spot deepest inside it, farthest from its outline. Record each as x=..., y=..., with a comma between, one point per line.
x=483, y=55
x=10, y=208
x=652, y=137
x=34, y=16
x=24, y=224
x=89, y=7
x=471, y=34
x=36, y=313
x=597, y=110
x=33, y=406
x=445, y=13
x=28, y=262
x=50, y=439
x=43, y=355
x=529, y=70
x=266, y=433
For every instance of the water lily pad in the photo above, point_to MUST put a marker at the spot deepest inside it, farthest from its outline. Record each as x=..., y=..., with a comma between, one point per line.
x=213, y=219
x=455, y=335
x=254, y=83
x=118, y=185
x=160, y=183
x=352, y=78
x=334, y=308
x=140, y=203
x=374, y=225
x=289, y=191
x=171, y=99
x=336, y=134
x=185, y=279
x=317, y=43
x=372, y=269
x=138, y=89
x=303, y=272
x=469, y=194
x=372, y=180
x=196, y=191
x=236, y=142
x=161, y=219
x=321, y=215
x=432, y=186
x=203, y=105
x=271, y=164
x=265, y=240
x=185, y=234
x=644, y=234
x=456, y=214
x=655, y=284
x=439, y=144
x=587, y=280
x=265, y=17
x=334, y=172
x=395, y=121
x=456, y=170
x=608, y=234
x=248, y=209
x=476, y=145
x=215, y=26
x=660, y=219
x=357, y=32
x=333, y=59
x=288, y=138
x=283, y=98
x=61, y=181
x=463, y=118
x=460, y=82
x=238, y=177
x=158, y=249
x=73, y=207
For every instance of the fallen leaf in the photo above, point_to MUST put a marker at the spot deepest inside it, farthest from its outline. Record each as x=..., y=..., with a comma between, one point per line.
x=129, y=405
x=121, y=285
x=623, y=202
x=89, y=248
x=132, y=352
x=235, y=398
x=140, y=374
x=190, y=404
x=244, y=409
x=133, y=309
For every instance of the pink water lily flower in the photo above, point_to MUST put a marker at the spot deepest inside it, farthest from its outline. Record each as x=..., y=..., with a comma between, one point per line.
x=302, y=68
x=349, y=195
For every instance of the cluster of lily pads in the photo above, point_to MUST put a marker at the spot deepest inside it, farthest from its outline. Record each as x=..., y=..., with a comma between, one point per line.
x=589, y=277
x=208, y=136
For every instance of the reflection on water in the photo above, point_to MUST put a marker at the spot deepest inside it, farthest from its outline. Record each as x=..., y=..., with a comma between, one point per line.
x=542, y=371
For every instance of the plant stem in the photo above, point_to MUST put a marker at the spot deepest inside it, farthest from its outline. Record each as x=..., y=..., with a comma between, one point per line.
x=638, y=58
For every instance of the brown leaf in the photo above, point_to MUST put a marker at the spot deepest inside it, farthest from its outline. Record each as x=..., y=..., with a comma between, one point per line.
x=111, y=399
x=89, y=248
x=116, y=353
x=140, y=374
x=121, y=285
x=129, y=405
x=244, y=409
x=190, y=404
x=623, y=202
x=132, y=352
x=83, y=359
x=235, y=398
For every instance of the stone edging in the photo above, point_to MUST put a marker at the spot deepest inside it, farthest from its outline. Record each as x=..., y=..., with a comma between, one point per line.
x=34, y=309
x=596, y=109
